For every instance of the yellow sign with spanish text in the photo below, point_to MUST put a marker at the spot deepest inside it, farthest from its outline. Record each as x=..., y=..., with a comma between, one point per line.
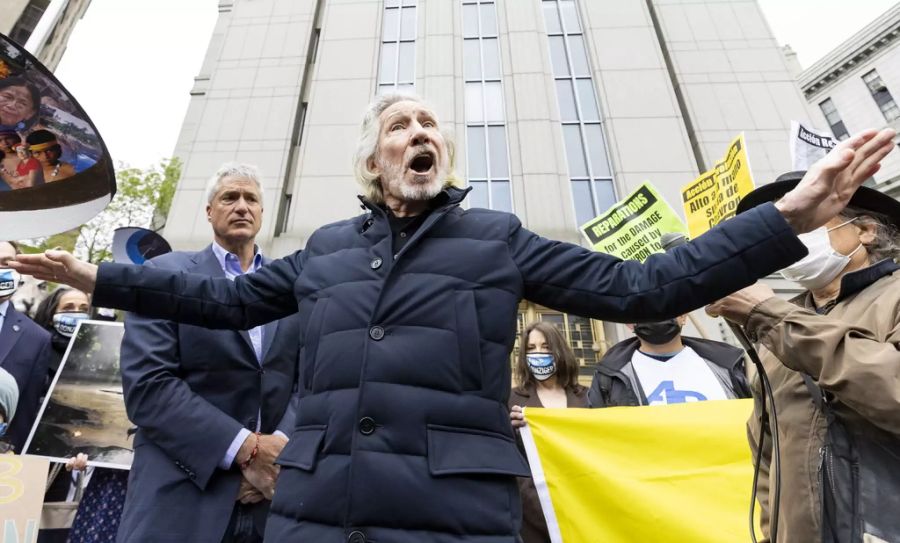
x=713, y=197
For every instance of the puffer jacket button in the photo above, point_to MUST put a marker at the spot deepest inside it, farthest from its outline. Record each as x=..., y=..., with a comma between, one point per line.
x=376, y=333
x=375, y=264
x=366, y=426
x=356, y=537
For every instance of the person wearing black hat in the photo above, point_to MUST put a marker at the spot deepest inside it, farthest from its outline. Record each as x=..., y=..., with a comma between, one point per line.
x=836, y=342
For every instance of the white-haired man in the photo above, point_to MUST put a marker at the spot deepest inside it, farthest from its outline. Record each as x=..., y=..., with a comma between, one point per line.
x=408, y=317
x=207, y=401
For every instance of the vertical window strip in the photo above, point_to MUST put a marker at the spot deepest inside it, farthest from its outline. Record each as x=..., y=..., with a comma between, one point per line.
x=397, y=58
x=834, y=119
x=487, y=150
x=882, y=96
x=590, y=173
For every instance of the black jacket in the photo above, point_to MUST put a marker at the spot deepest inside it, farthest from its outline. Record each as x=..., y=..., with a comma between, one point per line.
x=403, y=430
x=615, y=382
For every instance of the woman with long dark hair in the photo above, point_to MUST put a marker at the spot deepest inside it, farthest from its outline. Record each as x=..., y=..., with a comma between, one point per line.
x=20, y=104
x=546, y=373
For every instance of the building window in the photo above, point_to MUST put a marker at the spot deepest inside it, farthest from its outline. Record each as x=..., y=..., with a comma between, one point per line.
x=589, y=170
x=487, y=155
x=29, y=19
x=834, y=119
x=397, y=68
x=882, y=96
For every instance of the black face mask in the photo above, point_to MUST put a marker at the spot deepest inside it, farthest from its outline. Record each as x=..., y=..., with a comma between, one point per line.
x=658, y=333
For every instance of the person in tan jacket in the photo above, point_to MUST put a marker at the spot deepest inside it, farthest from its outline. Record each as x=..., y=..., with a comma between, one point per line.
x=842, y=332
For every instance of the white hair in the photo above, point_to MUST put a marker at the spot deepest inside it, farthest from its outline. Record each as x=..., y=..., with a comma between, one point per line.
x=232, y=169
x=367, y=145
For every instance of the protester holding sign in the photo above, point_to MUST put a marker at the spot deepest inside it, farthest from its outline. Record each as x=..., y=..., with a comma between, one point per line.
x=391, y=381
x=59, y=314
x=547, y=375
x=831, y=356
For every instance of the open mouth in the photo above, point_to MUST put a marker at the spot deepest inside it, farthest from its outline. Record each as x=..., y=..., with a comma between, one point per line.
x=422, y=162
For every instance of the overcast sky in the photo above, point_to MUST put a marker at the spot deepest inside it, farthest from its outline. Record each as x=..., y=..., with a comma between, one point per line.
x=131, y=63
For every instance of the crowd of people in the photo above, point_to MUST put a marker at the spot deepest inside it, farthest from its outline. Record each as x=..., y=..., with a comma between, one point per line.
x=360, y=389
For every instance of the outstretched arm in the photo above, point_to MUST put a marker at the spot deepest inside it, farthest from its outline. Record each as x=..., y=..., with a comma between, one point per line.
x=248, y=301
x=729, y=257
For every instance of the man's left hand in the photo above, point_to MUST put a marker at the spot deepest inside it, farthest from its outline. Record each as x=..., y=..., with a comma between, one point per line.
x=829, y=183
x=737, y=306
x=263, y=472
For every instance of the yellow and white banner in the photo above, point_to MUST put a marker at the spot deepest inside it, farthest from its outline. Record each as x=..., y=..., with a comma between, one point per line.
x=671, y=473
x=713, y=197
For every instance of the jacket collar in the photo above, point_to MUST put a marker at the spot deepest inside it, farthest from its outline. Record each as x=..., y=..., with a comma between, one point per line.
x=448, y=197
x=852, y=283
x=716, y=352
x=574, y=396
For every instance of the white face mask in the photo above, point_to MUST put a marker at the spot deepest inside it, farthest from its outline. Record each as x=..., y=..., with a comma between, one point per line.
x=822, y=264
x=9, y=281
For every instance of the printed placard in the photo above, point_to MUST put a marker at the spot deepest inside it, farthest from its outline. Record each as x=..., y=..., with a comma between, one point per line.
x=808, y=145
x=713, y=196
x=631, y=229
x=23, y=480
x=84, y=411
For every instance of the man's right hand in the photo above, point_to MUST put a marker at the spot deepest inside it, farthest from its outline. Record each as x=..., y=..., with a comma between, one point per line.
x=262, y=472
x=248, y=493
x=59, y=267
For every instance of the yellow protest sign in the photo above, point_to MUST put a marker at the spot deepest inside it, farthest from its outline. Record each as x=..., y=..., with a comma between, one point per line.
x=668, y=474
x=23, y=480
x=714, y=196
x=631, y=228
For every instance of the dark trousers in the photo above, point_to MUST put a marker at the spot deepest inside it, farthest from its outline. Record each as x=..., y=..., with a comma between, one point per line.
x=246, y=524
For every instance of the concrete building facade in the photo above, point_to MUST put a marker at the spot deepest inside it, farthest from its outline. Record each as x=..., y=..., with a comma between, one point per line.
x=559, y=107
x=43, y=27
x=857, y=85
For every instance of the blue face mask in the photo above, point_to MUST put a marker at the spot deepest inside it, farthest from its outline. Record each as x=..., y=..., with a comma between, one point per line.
x=542, y=365
x=3, y=427
x=65, y=323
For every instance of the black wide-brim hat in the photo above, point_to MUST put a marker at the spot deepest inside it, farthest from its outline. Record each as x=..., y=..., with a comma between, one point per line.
x=865, y=198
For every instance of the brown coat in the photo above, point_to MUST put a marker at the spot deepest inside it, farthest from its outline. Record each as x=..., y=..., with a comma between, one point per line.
x=534, y=527
x=851, y=352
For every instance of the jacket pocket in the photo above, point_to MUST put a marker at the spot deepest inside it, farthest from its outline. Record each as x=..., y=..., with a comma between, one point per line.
x=302, y=450
x=311, y=341
x=469, y=338
x=455, y=451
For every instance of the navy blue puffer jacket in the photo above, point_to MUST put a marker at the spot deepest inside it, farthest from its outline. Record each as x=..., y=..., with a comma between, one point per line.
x=403, y=432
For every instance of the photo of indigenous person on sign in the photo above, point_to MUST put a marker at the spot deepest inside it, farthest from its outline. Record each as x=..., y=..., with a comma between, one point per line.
x=714, y=196
x=84, y=411
x=46, y=138
x=631, y=229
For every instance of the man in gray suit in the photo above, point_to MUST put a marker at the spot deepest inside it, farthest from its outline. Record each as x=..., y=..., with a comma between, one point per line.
x=212, y=406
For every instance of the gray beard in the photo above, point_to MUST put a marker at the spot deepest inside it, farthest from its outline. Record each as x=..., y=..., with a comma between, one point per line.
x=417, y=193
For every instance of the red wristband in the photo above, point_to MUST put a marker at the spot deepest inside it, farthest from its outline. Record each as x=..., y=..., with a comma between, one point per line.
x=246, y=463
